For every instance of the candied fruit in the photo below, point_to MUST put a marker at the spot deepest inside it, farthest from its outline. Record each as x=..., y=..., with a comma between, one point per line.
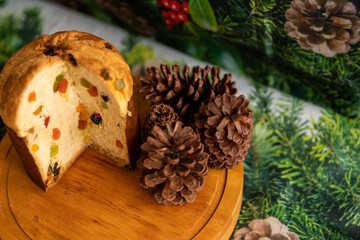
x=120, y=84
x=93, y=91
x=54, y=150
x=55, y=86
x=96, y=118
x=119, y=144
x=63, y=86
x=32, y=97
x=105, y=98
x=85, y=83
x=87, y=139
x=47, y=122
x=82, y=124
x=56, y=134
x=38, y=110
x=59, y=78
x=83, y=116
x=104, y=105
x=80, y=107
x=34, y=147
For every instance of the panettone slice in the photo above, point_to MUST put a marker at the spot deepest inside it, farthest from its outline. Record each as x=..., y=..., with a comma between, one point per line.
x=62, y=93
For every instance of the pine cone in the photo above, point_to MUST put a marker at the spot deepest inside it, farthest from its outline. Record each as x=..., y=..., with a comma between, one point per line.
x=270, y=228
x=225, y=126
x=159, y=115
x=326, y=27
x=175, y=165
x=185, y=94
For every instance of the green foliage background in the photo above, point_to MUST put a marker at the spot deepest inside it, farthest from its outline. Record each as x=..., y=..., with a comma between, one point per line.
x=305, y=174
x=16, y=31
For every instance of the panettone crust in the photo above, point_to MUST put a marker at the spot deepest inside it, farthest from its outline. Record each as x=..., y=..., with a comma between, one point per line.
x=101, y=59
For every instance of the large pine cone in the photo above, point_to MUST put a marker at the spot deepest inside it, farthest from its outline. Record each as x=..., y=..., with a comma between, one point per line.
x=270, y=228
x=175, y=165
x=188, y=92
x=326, y=27
x=159, y=115
x=225, y=126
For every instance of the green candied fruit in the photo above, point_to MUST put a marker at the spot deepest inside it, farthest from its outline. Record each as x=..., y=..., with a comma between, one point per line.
x=120, y=84
x=59, y=78
x=104, y=105
x=54, y=150
x=85, y=83
x=56, y=86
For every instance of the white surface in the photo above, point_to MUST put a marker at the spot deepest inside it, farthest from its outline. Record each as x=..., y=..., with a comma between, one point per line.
x=59, y=18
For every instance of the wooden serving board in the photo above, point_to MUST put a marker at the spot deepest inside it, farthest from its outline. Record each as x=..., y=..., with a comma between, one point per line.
x=95, y=200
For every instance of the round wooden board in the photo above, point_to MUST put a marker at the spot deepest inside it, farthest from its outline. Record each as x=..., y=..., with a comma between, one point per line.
x=95, y=200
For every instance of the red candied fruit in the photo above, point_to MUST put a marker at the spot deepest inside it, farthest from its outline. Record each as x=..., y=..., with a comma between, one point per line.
x=47, y=122
x=93, y=91
x=56, y=134
x=119, y=144
x=82, y=124
x=63, y=85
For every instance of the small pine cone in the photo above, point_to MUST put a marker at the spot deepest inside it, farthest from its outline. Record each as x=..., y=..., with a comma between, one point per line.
x=225, y=126
x=175, y=165
x=188, y=92
x=159, y=115
x=326, y=27
x=270, y=228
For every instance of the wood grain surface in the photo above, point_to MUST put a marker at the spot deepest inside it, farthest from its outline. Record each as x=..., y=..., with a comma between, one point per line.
x=95, y=200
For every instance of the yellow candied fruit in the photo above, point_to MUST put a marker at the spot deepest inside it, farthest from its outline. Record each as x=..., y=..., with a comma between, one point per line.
x=38, y=110
x=34, y=147
x=54, y=150
x=80, y=107
x=87, y=139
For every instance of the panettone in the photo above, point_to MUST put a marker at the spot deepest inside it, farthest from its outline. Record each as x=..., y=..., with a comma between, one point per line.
x=62, y=93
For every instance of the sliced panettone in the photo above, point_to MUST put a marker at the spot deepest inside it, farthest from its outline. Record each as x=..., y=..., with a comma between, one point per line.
x=62, y=93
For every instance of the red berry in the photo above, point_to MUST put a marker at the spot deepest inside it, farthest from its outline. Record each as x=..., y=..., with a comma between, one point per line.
x=63, y=85
x=165, y=13
x=185, y=7
x=169, y=23
x=166, y=3
x=181, y=17
x=172, y=15
x=159, y=3
x=175, y=6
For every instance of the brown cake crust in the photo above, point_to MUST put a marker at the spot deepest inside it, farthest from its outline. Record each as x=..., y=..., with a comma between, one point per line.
x=101, y=58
